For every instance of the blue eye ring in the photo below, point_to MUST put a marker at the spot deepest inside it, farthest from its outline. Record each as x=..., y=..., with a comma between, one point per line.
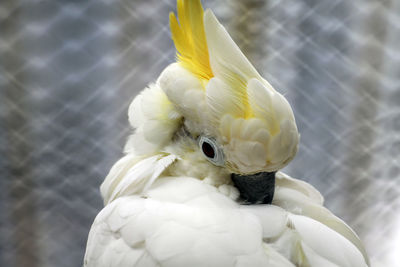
x=211, y=150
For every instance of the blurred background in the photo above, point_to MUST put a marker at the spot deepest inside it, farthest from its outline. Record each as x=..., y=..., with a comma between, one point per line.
x=69, y=69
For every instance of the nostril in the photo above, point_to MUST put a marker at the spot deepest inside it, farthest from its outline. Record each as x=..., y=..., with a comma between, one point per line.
x=256, y=188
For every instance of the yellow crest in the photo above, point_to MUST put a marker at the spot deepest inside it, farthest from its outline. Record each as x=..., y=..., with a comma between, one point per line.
x=190, y=39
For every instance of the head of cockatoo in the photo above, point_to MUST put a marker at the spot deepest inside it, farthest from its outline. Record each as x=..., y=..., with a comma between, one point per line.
x=214, y=98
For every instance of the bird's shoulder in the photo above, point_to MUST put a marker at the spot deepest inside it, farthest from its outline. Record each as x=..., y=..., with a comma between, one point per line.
x=307, y=215
x=181, y=221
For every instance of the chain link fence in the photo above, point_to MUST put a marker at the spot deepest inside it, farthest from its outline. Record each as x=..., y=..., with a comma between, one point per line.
x=69, y=69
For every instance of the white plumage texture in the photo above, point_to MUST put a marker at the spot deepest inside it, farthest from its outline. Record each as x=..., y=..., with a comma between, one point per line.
x=183, y=221
x=168, y=204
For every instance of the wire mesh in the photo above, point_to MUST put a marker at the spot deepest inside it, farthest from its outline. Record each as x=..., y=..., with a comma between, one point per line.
x=69, y=70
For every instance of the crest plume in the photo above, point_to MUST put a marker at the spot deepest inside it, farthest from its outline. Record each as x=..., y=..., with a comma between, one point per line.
x=190, y=39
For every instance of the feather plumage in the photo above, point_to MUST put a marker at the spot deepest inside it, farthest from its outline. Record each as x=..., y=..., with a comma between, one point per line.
x=186, y=222
x=189, y=38
x=167, y=205
x=154, y=118
x=133, y=175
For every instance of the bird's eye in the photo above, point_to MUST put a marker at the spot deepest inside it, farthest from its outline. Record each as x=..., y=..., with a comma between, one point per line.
x=211, y=150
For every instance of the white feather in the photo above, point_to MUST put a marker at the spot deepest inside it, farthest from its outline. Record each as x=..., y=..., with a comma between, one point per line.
x=297, y=198
x=138, y=144
x=204, y=229
x=141, y=175
x=116, y=174
x=185, y=222
x=152, y=219
x=221, y=101
x=155, y=120
x=225, y=127
x=135, y=114
x=225, y=55
x=284, y=180
x=326, y=243
x=260, y=100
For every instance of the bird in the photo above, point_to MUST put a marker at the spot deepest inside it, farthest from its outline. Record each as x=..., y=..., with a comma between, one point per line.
x=200, y=182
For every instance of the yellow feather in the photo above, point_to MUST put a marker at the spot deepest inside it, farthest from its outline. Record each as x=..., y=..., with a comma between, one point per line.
x=190, y=39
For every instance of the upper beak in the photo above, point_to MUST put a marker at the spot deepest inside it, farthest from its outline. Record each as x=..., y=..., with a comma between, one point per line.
x=256, y=188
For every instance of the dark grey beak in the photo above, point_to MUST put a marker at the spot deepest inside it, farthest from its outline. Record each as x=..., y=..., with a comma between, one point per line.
x=255, y=189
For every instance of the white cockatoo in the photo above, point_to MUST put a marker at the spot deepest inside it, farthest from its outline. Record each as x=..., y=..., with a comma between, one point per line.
x=200, y=183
